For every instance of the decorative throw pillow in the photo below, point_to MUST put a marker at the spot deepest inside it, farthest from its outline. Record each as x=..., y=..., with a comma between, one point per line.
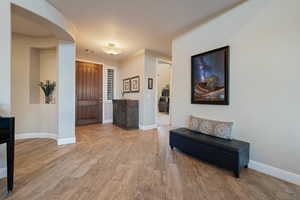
x=194, y=123
x=206, y=127
x=215, y=128
x=223, y=130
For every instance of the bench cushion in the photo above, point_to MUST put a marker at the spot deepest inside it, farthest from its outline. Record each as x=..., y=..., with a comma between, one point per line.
x=227, y=145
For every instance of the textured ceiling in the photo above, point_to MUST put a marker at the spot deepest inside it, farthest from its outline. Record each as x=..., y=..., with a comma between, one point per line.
x=136, y=24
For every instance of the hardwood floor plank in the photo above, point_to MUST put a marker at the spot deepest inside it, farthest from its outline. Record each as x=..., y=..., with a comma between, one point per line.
x=111, y=163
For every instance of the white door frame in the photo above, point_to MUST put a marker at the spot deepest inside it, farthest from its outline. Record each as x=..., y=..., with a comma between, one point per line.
x=158, y=60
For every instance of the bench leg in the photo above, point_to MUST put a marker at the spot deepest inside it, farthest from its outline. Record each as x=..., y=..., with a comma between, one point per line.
x=171, y=147
x=237, y=174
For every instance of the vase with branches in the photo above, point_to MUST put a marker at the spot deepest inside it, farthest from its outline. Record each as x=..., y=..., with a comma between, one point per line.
x=48, y=88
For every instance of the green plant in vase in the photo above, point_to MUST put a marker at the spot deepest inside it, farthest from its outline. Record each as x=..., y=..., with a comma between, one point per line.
x=48, y=88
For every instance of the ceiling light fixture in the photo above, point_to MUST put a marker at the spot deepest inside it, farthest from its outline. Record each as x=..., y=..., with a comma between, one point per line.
x=111, y=49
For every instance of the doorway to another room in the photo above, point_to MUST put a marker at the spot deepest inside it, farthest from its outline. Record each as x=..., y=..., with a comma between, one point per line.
x=163, y=75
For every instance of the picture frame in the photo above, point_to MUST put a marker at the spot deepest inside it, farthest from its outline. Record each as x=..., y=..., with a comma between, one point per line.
x=135, y=84
x=210, y=77
x=150, y=83
x=126, y=85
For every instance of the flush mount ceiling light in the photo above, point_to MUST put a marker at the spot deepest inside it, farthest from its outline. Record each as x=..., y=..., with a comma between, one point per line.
x=111, y=49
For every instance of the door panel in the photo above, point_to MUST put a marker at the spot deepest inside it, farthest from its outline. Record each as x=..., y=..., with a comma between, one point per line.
x=88, y=93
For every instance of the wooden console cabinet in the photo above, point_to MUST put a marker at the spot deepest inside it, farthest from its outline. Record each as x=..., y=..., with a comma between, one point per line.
x=126, y=113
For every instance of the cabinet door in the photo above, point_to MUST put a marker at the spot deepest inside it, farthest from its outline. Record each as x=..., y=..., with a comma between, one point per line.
x=132, y=115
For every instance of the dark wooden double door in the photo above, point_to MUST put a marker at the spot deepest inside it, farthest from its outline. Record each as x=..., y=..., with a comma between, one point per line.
x=89, y=86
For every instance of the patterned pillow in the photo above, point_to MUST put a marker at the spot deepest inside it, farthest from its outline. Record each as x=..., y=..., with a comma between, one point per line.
x=194, y=123
x=206, y=127
x=211, y=127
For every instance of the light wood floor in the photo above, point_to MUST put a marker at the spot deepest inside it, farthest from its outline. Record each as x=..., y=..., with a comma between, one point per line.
x=110, y=163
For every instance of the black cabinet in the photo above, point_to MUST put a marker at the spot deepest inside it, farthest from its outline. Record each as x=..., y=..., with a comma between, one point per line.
x=126, y=113
x=7, y=135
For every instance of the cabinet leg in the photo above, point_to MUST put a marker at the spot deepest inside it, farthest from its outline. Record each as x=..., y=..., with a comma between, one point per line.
x=171, y=147
x=10, y=165
x=246, y=166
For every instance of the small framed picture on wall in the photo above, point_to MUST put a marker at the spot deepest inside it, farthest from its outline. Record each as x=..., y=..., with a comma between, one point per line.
x=150, y=83
x=126, y=85
x=135, y=84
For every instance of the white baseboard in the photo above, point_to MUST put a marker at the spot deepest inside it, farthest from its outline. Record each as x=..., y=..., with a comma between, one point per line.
x=147, y=127
x=3, y=173
x=107, y=121
x=36, y=135
x=61, y=141
x=276, y=172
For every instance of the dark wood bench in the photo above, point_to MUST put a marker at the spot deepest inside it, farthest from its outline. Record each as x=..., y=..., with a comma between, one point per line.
x=229, y=154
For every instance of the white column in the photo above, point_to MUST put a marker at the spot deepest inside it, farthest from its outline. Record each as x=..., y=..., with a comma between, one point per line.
x=5, y=70
x=5, y=51
x=66, y=93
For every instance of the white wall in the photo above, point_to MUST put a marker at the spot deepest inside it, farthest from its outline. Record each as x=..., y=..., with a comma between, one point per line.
x=5, y=39
x=66, y=92
x=32, y=117
x=149, y=94
x=48, y=64
x=48, y=70
x=34, y=75
x=264, y=77
x=134, y=66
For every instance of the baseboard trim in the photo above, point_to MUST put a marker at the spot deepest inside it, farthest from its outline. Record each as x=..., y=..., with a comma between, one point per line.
x=36, y=135
x=276, y=172
x=62, y=141
x=147, y=127
x=108, y=121
x=3, y=173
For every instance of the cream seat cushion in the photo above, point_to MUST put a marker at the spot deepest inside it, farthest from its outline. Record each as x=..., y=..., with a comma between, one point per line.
x=215, y=128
